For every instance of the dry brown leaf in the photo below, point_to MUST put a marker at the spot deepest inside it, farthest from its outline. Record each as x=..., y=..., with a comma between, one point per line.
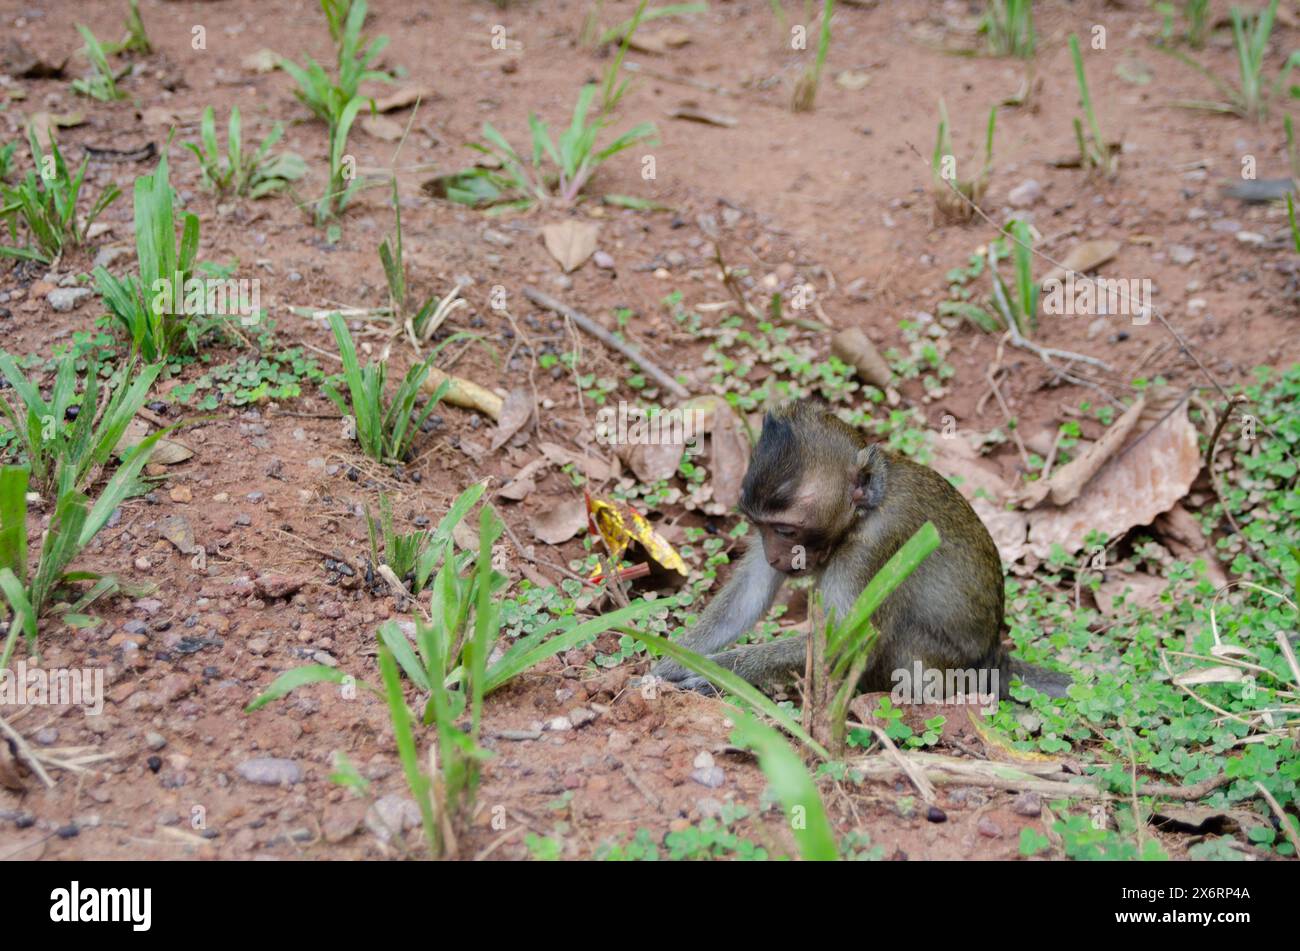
x=651, y=447
x=729, y=446
x=1147, y=478
x=728, y=457
x=1084, y=257
x=590, y=466
x=1183, y=536
x=516, y=411
x=1008, y=527
x=1068, y=481
x=522, y=485
x=472, y=448
x=557, y=523
x=571, y=242
x=465, y=536
x=383, y=128
x=651, y=461
x=166, y=452
x=176, y=529
x=406, y=96
x=660, y=42
x=1212, y=675
x=954, y=457
x=691, y=112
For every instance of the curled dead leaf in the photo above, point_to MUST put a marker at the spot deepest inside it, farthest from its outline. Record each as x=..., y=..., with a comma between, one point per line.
x=956, y=458
x=1211, y=675
x=406, y=96
x=691, y=112
x=1008, y=527
x=659, y=43
x=856, y=349
x=516, y=411
x=465, y=536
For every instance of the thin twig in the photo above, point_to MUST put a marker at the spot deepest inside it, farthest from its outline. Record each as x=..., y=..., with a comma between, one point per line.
x=1006, y=412
x=27, y=753
x=589, y=326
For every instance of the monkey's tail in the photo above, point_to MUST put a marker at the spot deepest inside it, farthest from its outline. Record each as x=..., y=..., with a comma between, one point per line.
x=1049, y=682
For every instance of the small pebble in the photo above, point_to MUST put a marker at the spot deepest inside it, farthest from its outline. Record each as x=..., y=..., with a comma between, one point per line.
x=1028, y=804
x=270, y=771
x=711, y=777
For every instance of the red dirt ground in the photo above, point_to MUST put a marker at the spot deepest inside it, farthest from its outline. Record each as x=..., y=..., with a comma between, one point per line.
x=839, y=196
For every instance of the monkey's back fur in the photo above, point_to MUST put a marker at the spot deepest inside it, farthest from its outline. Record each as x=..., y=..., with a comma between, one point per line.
x=948, y=613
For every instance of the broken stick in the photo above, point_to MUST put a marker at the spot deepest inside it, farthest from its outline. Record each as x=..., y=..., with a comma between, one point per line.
x=589, y=326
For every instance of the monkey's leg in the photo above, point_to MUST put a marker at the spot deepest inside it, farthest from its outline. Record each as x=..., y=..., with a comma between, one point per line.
x=738, y=607
x=767, y=666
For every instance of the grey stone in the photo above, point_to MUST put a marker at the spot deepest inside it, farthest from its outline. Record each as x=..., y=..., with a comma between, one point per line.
x=270, y=771
x=66, y=299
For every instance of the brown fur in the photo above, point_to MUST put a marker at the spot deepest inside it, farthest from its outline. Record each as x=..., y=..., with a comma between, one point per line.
x=822, y=500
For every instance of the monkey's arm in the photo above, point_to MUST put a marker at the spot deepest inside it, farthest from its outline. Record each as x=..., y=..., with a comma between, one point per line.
x=767, y=666
x=738, y=607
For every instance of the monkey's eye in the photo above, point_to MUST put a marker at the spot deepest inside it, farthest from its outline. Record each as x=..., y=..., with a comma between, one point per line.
x=785, y=531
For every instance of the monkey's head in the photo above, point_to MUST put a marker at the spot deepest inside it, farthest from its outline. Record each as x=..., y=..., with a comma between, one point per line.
x=807, y=480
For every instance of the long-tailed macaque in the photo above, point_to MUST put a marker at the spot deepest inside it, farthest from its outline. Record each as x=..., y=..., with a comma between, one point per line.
x=823, y=501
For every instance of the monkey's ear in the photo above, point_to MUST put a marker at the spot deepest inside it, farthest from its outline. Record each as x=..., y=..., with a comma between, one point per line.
x=869, y=483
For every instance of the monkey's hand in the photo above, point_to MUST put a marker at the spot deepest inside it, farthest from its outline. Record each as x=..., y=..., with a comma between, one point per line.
x=700, y=685
x=674, y=673
x=767, y=666
x=670, y=671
